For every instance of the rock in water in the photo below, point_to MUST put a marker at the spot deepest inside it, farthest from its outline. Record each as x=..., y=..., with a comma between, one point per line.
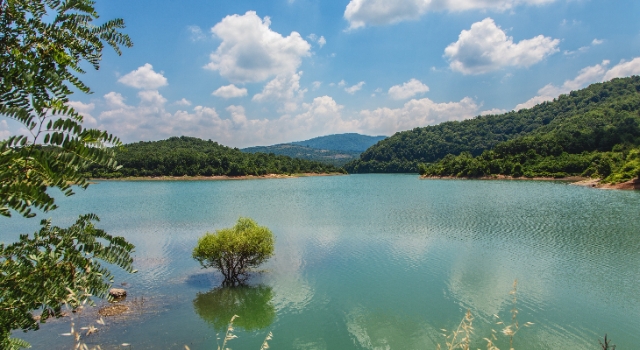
x=117, y=293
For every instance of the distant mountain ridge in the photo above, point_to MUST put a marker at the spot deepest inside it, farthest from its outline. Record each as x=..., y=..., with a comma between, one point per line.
x=350, y=142
x=337, y=149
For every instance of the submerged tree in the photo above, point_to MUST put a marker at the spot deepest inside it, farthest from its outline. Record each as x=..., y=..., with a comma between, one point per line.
x=235, y=250
x=43, y=44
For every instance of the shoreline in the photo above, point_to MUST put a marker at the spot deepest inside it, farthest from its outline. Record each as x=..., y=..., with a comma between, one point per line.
x=505, y=177
x=633, y=184
x=214, y=178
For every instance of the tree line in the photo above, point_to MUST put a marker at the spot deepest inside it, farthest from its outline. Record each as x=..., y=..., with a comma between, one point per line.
x=190, y=156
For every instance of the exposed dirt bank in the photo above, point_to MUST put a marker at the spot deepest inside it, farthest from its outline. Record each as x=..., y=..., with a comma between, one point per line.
x=596, y=183
x=575, y=180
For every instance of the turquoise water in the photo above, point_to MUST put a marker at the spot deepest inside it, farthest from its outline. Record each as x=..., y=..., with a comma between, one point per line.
x=368, y=262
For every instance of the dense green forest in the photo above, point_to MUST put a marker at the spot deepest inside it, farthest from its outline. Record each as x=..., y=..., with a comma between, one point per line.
x=600, y=142
x=180, y=156
x=574, y=130
x=336, y=158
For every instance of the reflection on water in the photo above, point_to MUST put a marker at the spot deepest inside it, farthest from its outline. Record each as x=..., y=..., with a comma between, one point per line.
x=371, y=262
x=253, y=305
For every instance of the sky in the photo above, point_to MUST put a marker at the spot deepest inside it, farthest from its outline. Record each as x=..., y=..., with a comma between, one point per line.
x=261, y=72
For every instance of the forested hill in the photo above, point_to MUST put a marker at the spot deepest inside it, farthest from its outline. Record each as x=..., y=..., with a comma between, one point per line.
x=336, y=158
x=602, y=142
x=180, y=156
x=403, y=151
x=350, y=142
x=331, y=149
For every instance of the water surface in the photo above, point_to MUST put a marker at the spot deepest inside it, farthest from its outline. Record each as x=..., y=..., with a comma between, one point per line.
x=369, y=261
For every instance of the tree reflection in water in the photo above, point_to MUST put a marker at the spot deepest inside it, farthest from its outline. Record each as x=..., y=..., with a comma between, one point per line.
x=252, y=303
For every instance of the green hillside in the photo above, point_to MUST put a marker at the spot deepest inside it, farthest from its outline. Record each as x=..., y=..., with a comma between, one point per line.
x=180, y=156
x=593, y=119
x=350, y=142
x=336, y=158
x=600, y=142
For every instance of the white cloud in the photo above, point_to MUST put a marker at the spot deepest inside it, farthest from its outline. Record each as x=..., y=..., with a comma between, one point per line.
x=407, y=90
x=584, y=49
x=549, y=92
x=149, y=120
x=115, y=100
x=361, y=13
x=144, y=78
x=85, y=110
x=322, y=41
x=5, y=133
x=624, y=69
x=284, y=88
x=486, y=47
x=355, y=88
x=196, y=33
x=316, y=85
x=415, y=113
x=342, y=83
x=183, y=102
x=494, y=111
x=230, y=91
x=586, y=76
x=251, y=52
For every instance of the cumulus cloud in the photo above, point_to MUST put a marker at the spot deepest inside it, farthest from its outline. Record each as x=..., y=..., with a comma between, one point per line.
x=230, y=91
x=316, y=85
x=415, y=113
x=624, y=69
x=85, y=110
x=148, y=119
x=407, y=90
x=183, y=102
x=361, y=13
x=144, y=78
x=251, y=52
x=285, y=89
x=486, y=47
x=586, y=76
x=353, y=89
x=494, y=111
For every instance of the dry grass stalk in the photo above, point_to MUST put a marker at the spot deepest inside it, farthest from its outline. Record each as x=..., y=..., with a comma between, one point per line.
x=464, y=331
x=229, y=334
x=461, y=337
x=512, y=329
x=265, y=343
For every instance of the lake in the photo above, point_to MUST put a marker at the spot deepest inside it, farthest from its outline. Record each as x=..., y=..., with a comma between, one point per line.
x=367, y=262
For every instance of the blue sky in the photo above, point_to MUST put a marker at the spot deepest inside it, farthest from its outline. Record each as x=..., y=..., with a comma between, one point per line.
x=247, y=73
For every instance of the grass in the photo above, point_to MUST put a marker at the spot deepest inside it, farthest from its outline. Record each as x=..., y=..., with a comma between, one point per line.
x=460, y=338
